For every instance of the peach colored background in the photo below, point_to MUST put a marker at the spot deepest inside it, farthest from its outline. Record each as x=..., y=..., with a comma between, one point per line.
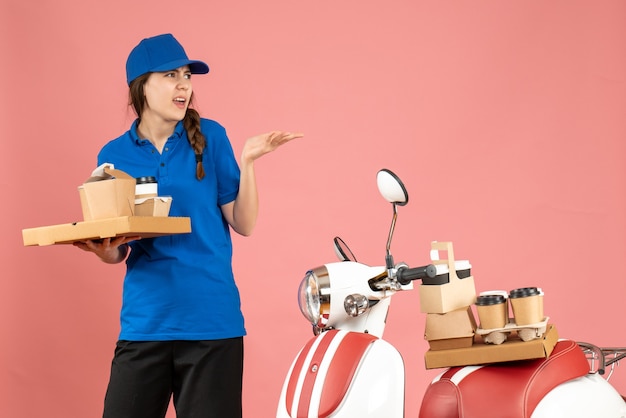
x=505, y=119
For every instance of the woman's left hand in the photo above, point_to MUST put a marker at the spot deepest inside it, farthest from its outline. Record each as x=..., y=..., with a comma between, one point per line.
x=260, y=145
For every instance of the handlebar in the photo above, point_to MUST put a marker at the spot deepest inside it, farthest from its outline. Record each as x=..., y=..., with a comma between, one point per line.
x=405, y=274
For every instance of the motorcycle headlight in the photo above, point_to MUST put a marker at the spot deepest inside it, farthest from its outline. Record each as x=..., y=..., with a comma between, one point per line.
x=314, y=296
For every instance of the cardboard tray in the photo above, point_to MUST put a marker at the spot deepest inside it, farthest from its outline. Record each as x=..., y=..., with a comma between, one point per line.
x=143, y=226
x=480, y=353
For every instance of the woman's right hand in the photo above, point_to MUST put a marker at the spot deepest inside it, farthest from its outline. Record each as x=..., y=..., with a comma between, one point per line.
x=109, y=250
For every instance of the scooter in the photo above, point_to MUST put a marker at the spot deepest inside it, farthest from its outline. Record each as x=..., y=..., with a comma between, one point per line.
x=348, y=370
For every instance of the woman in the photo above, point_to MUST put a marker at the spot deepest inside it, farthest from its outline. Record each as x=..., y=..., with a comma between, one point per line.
x=181, y=324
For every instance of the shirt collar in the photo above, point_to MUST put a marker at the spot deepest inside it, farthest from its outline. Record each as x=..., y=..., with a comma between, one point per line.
x=179, y=131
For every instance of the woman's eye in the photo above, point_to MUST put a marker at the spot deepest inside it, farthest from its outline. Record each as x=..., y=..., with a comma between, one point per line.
x=188, y=76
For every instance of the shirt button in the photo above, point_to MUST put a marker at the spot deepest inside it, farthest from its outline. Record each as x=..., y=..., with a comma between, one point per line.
x=162, y=164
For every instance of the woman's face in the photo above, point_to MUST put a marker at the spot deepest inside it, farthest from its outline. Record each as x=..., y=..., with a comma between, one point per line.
x=167, y=95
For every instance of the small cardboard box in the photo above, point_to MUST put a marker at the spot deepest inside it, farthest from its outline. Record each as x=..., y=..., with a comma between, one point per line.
x=456, y=294
x=479, y=353
x=130, y=226
x=108, y=193
x=453, y=329
x=153, y=206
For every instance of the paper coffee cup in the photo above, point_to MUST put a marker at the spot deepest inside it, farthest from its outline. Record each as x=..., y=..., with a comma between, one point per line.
x=492, y=311
x=527, y=305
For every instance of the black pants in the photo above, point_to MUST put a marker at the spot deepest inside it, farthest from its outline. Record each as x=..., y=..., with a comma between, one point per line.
x=204, y=378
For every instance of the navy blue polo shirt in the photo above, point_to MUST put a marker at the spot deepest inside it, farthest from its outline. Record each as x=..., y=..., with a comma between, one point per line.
x=181, y=287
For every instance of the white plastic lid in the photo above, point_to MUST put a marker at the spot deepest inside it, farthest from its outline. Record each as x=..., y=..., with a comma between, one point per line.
x=458, y=265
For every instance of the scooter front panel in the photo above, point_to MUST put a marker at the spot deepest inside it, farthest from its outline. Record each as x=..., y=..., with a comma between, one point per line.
x=342, y=369
x=316, y=368
x=339, y=373
x=295, y=379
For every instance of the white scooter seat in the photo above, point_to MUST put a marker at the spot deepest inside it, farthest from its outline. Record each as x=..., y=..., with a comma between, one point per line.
x=499, y=390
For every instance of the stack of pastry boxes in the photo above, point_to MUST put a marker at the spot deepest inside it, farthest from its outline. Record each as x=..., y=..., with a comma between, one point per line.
x=122, y=195
x=447, y=300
